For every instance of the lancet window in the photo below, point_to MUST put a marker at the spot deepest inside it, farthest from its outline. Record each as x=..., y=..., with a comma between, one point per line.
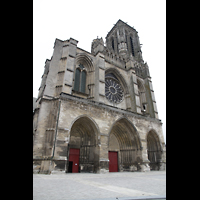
x=80, y=79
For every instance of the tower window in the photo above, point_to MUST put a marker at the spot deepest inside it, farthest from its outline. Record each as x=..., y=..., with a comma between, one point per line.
x=77, y=79
x=132, y=48
x=113, y=44
x=80, y=79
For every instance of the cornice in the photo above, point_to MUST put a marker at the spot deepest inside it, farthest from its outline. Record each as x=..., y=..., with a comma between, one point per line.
x=64, y=96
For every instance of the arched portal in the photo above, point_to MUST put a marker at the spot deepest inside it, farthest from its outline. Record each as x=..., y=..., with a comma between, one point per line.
x=154, y=150
x=83, y=148
x=125, y=142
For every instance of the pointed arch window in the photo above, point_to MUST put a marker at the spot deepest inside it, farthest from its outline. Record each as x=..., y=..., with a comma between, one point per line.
x=80, y=79
x=113, y=44
x=132, y=48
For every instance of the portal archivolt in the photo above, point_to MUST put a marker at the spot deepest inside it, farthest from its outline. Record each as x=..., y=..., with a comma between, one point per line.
x=124, y=139
x=83, y=136
x=154, y=150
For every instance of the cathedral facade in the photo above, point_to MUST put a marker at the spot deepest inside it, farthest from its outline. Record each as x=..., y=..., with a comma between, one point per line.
x=96, y=112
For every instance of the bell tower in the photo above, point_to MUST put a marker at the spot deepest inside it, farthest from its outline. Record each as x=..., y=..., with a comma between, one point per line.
x=123, y=41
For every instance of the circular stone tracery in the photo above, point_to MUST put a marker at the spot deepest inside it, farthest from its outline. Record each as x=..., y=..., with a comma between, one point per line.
x=113, y=90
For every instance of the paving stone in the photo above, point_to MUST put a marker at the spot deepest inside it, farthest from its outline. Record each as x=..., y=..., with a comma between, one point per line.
x=123, y=185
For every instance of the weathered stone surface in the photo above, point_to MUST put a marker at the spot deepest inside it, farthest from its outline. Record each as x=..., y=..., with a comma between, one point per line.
x=66, y=118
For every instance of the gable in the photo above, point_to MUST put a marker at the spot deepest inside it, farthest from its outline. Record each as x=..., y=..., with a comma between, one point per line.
x=118, y=24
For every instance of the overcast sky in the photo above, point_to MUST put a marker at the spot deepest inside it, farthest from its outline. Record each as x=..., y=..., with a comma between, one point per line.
x=84, y=20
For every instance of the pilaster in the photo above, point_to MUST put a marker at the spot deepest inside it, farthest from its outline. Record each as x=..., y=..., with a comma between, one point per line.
x=151, y=98
x=100, y=78
x=135, y=96
x=44, y=78
x=144, y=165
x=69, y=53
x=51, y=81
x=103, y=154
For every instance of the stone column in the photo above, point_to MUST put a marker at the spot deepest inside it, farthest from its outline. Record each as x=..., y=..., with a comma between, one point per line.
x=103, y=157
x=100, y=78
x=144, y=165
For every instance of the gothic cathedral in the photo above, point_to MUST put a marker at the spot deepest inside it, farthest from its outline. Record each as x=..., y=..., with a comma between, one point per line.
x=96, y=112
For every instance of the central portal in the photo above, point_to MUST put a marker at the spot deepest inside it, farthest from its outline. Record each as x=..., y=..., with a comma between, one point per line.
x=124, y=147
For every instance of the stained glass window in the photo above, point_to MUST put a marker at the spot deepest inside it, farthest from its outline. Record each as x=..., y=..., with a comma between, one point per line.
x=80, y=79
x=83, y=81
x=113, y=90
x=77, y=80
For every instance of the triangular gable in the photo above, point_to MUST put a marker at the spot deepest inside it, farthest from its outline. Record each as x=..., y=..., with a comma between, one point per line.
x=119, y=22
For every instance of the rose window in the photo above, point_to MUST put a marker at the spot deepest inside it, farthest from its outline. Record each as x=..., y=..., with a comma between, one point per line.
x=113, y=89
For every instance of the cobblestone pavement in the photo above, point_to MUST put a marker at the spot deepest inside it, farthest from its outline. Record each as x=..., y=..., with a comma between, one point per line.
x=82, y=186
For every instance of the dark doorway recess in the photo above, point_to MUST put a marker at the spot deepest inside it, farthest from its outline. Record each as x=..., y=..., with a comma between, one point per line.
x=70, y=166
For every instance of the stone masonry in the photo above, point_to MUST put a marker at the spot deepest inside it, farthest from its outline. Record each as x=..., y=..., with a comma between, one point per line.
x=95, y=104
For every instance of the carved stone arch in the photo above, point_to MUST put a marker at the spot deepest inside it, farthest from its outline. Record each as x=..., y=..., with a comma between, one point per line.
x=120, y=79
x=128, y=124
x=154, y=149
x=93, y=123
x=84, y=60
x=84, y=134
x=124, y=139
x=158, y=140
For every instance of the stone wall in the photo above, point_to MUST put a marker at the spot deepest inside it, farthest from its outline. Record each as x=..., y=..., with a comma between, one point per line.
x=63, y=117
x=103, y=117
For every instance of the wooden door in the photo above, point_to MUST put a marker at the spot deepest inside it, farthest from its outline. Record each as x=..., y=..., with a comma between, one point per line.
x=74, y=158
x=113, y=161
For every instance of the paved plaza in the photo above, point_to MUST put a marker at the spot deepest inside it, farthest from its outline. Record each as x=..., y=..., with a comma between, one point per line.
x=111, y=186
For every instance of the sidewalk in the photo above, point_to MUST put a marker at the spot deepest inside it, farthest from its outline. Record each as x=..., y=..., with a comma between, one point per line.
x=86, y=186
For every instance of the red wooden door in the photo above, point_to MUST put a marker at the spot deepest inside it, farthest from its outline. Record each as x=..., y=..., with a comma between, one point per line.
x=113, y=161
x=74, y=157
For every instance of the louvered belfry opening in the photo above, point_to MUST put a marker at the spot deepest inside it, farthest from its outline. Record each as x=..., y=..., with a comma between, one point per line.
x=132, y=48
x=125, y=140
x=83, y=137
